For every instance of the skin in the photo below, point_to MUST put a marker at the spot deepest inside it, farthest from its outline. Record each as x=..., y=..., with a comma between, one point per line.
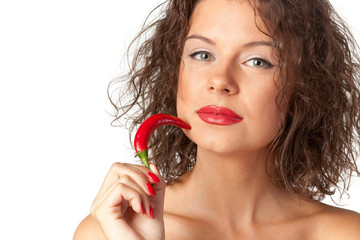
x=227, y=195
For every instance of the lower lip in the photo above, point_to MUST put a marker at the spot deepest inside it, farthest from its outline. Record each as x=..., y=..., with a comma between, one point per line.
x=218, y=119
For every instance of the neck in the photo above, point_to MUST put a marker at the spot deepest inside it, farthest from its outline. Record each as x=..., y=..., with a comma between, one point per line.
x=227, y=185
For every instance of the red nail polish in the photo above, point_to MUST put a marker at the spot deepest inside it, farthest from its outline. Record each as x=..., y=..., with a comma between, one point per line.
x=151, y=212
x=143, y=209
x=153, y=177
x=150, y=189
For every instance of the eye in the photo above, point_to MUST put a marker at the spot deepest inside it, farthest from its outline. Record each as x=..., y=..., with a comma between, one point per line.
x=259, y=63
x=202, y=56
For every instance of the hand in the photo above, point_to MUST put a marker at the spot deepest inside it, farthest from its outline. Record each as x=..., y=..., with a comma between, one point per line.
x=126, y=208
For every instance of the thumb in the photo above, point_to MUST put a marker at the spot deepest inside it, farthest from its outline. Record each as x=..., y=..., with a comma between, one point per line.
x=161, y=184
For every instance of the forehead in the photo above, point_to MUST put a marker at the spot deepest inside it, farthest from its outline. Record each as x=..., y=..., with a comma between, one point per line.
x=226, y=17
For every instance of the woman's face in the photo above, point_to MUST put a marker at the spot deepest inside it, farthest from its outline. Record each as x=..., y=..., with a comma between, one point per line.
x=226, y=89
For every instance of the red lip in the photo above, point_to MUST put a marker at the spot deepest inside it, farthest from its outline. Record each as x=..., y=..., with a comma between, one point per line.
x=218, y=115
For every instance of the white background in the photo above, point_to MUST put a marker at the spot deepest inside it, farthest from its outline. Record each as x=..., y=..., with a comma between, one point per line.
x=56, y=142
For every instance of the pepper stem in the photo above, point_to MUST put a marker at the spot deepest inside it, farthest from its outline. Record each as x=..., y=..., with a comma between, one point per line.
x=143, y=155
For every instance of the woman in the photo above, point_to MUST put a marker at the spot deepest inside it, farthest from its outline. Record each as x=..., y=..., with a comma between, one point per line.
x=270, y=89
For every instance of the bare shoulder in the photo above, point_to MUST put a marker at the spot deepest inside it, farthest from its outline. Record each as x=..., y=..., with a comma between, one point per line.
x=88, y=229
x=337, y=223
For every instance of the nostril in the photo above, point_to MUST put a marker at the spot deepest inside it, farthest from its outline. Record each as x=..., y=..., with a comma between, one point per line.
x=226, y=90
x=221, y=90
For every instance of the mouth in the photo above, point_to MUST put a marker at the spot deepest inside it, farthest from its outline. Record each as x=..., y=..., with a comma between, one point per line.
x=218, y=115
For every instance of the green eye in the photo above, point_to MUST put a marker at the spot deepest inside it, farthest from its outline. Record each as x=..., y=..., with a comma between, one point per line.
x=202, y=56
x=258, y=63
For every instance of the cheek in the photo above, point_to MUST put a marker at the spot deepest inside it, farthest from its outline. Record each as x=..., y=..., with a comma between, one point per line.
x=180, y=82
x=183, y=94
x=189, y=86
x=279, y=106
x=264, y=112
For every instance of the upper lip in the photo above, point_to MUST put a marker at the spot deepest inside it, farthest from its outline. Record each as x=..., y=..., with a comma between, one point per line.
x=212, y=109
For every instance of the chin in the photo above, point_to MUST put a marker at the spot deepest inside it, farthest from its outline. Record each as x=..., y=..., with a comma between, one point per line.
x=216, y=145
x=227, y=145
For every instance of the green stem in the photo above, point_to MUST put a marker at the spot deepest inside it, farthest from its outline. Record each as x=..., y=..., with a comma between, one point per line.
x=143, y=155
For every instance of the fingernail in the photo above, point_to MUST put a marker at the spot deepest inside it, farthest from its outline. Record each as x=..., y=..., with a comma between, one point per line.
x=151, y=212
x=143, y=209
x=155, y=166
x=153, y=177
x=150, y=189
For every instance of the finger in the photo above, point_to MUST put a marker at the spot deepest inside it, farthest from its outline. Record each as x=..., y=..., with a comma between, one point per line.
x=132, y=184
x=119, y=170
x=145, y=207
x=112, y=210
x=116, y=199
x=161, y=184
x=99, y=200
x=139, y=174
x=111, y=177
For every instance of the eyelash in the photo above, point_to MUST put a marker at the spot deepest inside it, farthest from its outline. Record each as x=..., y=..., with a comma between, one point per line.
x=194, y=54
x=266, y=63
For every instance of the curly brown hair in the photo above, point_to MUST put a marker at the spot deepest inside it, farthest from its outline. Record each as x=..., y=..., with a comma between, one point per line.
x=315, y=152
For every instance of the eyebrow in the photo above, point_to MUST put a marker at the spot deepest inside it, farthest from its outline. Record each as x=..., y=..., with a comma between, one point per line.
x=199, y=37
x=247, y=45
x=259, y=43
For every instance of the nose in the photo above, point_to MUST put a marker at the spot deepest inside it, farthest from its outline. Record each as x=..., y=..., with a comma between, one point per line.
x=223, y=80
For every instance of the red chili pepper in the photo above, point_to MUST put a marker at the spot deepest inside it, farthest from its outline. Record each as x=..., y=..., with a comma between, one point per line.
x=145, y=130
